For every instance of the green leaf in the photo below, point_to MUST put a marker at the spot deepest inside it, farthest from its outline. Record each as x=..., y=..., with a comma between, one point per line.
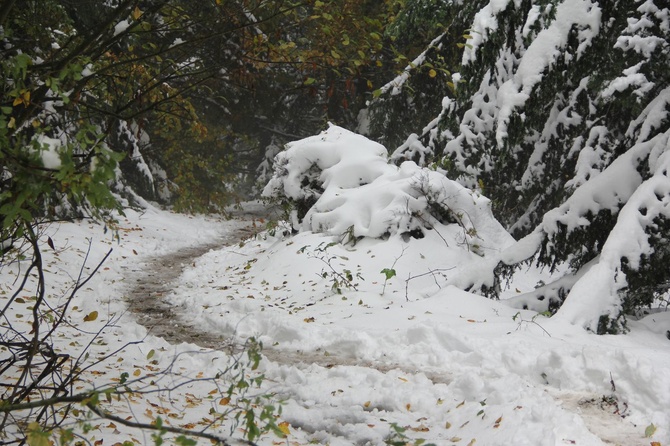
x=389, y=273
x=650, y=431
x=151, y=353
x=184, y=441
x=309, y=81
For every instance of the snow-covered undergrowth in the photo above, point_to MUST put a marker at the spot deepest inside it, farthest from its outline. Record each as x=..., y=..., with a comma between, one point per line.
x=341, y=184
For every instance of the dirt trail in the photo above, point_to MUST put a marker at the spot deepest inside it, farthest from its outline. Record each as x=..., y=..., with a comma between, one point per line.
x=154, y=280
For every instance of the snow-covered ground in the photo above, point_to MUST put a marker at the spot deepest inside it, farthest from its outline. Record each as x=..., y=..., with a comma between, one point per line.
x=449, y=366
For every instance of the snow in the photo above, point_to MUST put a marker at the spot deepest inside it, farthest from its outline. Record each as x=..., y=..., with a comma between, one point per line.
x=350, y=350
x=121, y=27
x=358, y=194
x=49, y=152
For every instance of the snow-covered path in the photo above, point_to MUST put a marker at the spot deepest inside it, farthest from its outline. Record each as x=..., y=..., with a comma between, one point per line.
x=349, y=365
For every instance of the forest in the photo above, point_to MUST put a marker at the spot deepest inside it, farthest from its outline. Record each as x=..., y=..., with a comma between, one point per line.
x=536, y=133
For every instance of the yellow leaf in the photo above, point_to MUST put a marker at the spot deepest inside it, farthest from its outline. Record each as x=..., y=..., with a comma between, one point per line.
x=93, y=315
x=12, y=123
x=408, y=406
x=283, y=426
x=455, y=439
x=137, y=372
x=432, y=73
x=137, y=13
x=36, y=436
x=17, y=101
x=224, y=401
x=366, y=404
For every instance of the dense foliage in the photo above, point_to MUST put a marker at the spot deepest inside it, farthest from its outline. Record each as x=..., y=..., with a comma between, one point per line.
x=188, y=96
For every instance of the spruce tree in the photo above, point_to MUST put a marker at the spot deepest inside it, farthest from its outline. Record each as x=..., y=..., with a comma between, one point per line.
x=561, y=118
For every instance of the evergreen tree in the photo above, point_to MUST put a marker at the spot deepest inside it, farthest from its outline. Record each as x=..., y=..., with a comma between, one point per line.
x=561, y=119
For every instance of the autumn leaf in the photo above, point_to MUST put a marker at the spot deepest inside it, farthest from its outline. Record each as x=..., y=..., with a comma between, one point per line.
x=23, y=98
x=224, y=401
x=137, y=13
x=36, y=436
x=283, y=426
x=93, y=315
x=432, y=73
